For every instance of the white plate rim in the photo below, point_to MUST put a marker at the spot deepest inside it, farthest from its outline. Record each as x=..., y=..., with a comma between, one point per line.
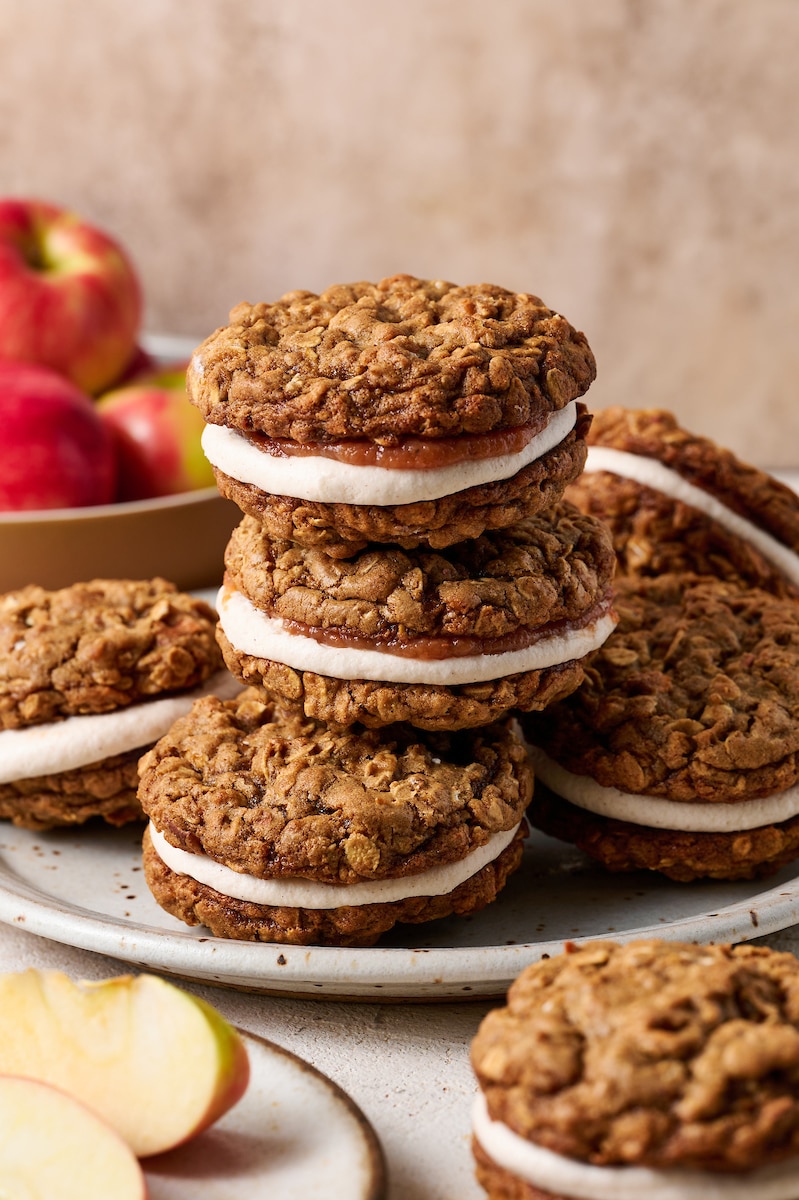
x=379, y=973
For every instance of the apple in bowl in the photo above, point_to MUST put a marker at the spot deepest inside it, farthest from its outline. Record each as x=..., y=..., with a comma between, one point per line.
x=70, y=297
x=55, y=451
x=157, y=432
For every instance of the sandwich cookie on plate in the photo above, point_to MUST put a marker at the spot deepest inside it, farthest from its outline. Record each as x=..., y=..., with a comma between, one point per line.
x=268, y=826
x=409, y=411
x=653, y=1069
x=680, y=753
x=90, y=676
x=444, y=639
x=678, y=502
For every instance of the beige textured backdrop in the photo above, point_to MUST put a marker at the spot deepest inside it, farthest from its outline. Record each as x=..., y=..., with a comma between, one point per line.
x=634, y=162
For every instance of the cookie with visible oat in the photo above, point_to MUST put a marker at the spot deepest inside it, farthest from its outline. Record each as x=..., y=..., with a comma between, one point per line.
x=266, y=825
x=652, y=1068
x=89, y=675
x=680, y=752
x=410, y=411
x=442, y=639
x=675, y=501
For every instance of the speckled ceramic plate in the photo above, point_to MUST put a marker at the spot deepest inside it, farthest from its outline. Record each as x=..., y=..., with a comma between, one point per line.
x=86, y=888
x=294, y=1133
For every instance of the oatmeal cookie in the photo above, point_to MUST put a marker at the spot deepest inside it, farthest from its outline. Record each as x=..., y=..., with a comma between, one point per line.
x=89, y=675
x=680, y=752
x=393, y=634
x=268, y=825
x=680, y=1058
x=408, y=411
x=678, y=502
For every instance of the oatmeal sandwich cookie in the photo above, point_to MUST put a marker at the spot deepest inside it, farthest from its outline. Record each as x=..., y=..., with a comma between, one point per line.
x=89, y=676
x=443, y=639
x=410, y=411
x=678, y=502
x=266, y=825
x=680, y=753
x=652, y=1069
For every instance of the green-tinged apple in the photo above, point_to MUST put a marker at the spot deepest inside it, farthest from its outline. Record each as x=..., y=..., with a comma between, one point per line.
x=156, y=1063
x=52, y=1147
x=70, y=298
x=158, y=432
x=55, y=452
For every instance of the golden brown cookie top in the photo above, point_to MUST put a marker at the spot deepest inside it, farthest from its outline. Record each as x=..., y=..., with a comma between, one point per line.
x=101, y=645
x=694, y=696
x=654, y=1053
x=266, y=790
x=553, y=567
x=405, y=357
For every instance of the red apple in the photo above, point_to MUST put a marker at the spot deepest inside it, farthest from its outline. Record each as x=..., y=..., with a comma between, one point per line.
x=55, y=452
x=157, y=430
x=69, y=296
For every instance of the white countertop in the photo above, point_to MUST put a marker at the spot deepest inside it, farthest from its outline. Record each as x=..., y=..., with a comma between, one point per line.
x=406, y=1065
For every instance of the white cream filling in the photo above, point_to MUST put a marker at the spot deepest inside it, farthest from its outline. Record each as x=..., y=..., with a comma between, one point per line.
x=314, y=477
x=689, y=817
x=304, y=893
x=653, y=474
x=552, y=1172
x=252, y=632
x=81, y=740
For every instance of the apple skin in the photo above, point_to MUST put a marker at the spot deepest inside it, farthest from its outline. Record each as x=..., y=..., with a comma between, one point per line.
x=157, y=1063
x=52, y=1145
x=55, y=451
x=70, y=298
x=158, y=432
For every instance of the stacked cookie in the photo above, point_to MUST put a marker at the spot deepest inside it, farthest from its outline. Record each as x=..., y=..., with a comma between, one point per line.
x=405, y=575
x=680, y=754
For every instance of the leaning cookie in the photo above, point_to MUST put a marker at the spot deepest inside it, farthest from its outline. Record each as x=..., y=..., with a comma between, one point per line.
x=89, y=676
x=409, y=411
x=680, y=753
x=268, y=826
x=442, y=639
x=678, y=502
x=653, y=1069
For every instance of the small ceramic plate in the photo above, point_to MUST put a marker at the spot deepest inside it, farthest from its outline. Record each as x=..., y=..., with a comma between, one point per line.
x=293, y=1134
x=86, y=888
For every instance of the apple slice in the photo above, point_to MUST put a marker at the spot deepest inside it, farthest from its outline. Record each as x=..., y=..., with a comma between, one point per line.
x=52, y=1145
x=158, y=1064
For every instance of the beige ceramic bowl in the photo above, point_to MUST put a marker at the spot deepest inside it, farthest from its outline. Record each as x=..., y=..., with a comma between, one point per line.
x=181, y=538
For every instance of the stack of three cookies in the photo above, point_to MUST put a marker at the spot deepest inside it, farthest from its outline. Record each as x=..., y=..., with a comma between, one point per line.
x=405, y=576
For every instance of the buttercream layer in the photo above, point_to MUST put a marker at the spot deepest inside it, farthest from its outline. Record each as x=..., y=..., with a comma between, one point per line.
x=317, y=478
x=252, y=632
x=651, y=473
x=656, y=813
x=305, y=893
x=80, y=740
x=561, y=1176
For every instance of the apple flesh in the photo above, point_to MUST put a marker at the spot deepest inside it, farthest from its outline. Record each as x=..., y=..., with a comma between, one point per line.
x=158, y=1064
x=55, y=451
x=158, y=432
x=70, y=298
x=51, y=1145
